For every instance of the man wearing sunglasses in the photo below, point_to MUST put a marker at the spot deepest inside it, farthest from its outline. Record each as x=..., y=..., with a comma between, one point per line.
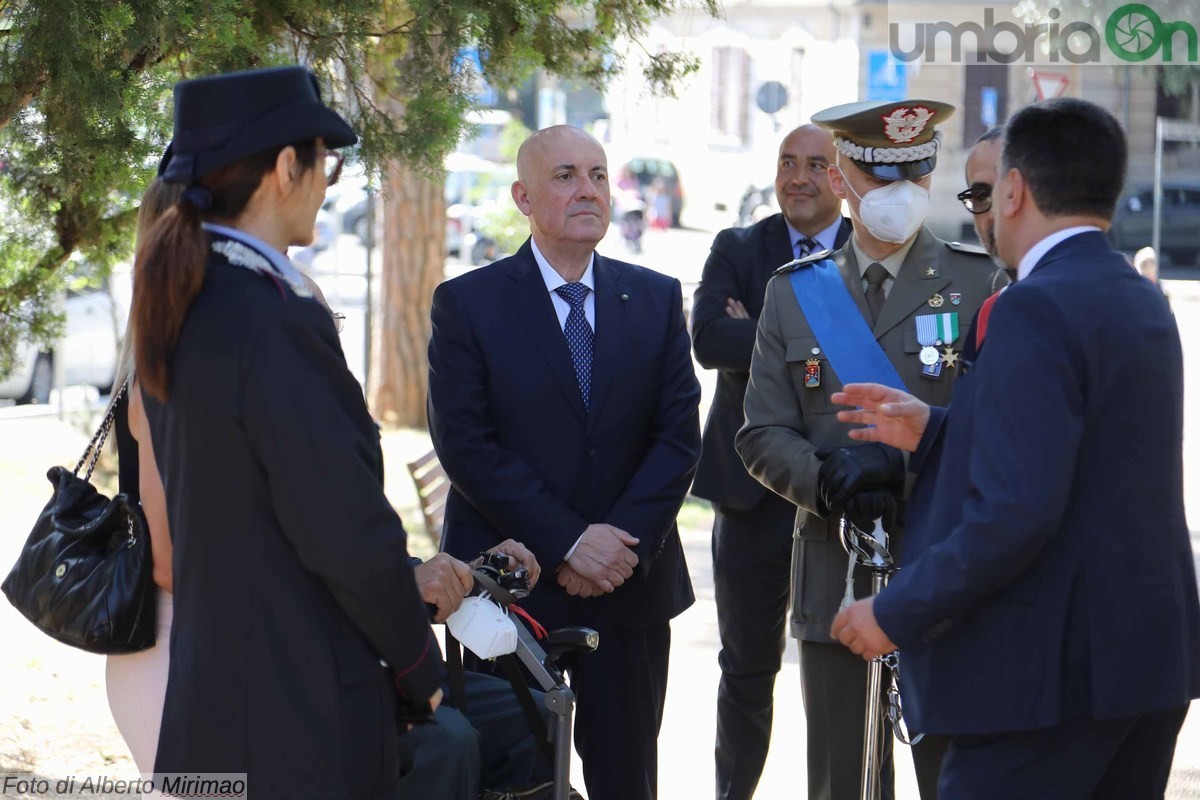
x=982, y=163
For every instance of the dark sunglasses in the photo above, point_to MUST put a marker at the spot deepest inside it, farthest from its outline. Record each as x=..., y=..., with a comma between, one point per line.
x=333, y=166
x=977, y=199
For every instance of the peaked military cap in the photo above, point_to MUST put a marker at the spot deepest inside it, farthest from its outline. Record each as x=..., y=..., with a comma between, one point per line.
x=894, y=141
x=221, y=119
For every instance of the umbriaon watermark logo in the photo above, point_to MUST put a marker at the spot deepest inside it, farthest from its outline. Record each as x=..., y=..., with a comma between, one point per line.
x=1132, y=33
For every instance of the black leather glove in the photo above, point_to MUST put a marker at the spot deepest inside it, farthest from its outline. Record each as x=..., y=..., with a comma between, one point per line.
x=848, y=471
x=865, y=507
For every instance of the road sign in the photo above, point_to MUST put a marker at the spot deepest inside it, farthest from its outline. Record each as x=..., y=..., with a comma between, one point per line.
x=1048, y=85
x=772, y=96
x=468, y=62
x=887, y=78
x=989, y=105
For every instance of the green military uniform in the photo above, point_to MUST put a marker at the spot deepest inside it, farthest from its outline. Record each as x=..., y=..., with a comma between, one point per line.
x=787, y=423
x=788, y=420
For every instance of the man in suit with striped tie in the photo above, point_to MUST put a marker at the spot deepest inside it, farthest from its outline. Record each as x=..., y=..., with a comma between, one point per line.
x=752, y=530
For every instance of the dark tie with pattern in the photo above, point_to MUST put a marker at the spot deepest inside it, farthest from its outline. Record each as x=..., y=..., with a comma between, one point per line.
x=876, y=274
x=579, y=336
x=806, y=245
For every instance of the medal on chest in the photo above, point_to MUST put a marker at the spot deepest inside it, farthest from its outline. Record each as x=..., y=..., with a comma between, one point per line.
x=934, y=331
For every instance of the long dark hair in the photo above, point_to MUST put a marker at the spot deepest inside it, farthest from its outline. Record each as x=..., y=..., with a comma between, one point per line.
x=169, y=267
x=157, y=200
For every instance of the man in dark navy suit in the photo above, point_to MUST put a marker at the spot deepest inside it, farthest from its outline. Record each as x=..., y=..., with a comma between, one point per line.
x=564, y=406
x=752, y=530
x=1046, y=607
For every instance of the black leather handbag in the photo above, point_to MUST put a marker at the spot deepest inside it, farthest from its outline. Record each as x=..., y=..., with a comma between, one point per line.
x=85, y=575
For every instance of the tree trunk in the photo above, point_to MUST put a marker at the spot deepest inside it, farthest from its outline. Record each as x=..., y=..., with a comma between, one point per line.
x=414, y=263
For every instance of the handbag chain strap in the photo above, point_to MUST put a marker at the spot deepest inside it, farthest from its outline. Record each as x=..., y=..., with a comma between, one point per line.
x=97, y=443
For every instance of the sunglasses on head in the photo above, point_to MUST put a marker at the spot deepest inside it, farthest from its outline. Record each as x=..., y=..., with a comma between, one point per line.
x=977, y=198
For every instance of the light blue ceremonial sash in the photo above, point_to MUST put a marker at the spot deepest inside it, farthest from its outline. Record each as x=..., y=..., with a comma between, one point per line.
x=849, y=344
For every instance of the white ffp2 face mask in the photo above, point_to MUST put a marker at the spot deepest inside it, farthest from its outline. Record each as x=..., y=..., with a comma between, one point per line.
x=894, y=212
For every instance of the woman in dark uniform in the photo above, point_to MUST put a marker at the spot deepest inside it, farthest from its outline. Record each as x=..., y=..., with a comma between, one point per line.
x=301, y=646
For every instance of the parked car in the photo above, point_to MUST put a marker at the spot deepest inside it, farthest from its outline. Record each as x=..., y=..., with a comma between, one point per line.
x=1133, y=224
x=473, y=186
x=95, y=321
x=354, y=219
x=346, y=202
x=647, y=170
x=756, y=204
x=471, y=183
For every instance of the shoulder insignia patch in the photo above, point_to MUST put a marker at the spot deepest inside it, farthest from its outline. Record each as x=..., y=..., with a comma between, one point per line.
x=241, y=255
x=972, y=249
x=800, y=263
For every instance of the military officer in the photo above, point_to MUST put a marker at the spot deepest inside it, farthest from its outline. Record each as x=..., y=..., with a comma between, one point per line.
x=894, y=298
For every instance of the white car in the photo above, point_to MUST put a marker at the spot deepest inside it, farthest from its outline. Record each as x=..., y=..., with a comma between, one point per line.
x=473, y=184
x=95, y=321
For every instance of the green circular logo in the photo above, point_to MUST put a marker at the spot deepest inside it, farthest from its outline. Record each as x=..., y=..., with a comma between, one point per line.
x=1133, y=32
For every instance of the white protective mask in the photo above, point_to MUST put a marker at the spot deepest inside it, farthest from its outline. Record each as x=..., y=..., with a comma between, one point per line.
x=894, y=212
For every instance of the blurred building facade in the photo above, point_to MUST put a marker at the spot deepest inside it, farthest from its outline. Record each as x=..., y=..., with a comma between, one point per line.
x=814, y=54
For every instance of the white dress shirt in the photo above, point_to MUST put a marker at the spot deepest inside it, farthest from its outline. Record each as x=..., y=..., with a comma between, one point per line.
x=1035, y=253
x=553, y=280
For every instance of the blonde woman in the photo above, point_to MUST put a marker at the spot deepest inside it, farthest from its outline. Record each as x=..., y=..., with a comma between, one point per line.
x=137, y=682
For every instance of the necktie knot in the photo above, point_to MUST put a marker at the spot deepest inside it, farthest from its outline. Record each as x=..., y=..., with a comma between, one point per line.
x=876, y=274
x=806, y=245
x=574, y=294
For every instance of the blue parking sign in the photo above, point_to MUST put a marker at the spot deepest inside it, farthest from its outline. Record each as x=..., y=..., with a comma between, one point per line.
x=887, y=78
x=468, y=62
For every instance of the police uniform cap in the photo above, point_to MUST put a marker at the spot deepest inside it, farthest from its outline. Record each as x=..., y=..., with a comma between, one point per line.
x=222, y=119
x=893, y=141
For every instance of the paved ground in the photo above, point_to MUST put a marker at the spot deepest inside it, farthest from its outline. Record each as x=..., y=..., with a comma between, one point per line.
x=54, y=718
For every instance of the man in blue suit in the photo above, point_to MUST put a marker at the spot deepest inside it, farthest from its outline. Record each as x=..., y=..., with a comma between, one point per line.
x=563, y=404
x=1046, y=607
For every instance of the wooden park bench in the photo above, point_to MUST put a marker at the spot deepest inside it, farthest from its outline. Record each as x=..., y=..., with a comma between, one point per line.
x=432, y=488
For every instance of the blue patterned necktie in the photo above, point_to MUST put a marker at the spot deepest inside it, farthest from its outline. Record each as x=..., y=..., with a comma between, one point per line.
x=579, y=336
x=806, y=245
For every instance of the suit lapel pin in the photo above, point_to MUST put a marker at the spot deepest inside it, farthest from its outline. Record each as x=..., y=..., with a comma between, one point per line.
x=937, y=301
x=624, y=298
